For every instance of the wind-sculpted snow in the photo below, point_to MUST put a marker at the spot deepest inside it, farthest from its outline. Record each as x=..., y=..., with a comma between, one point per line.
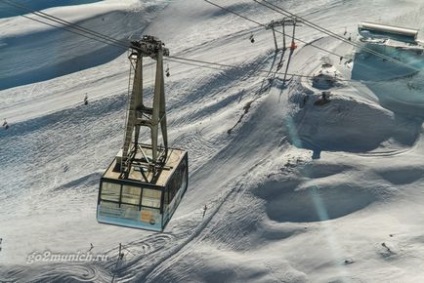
x=20, y=66
x=315, y=202
x=347, y=121
x=402, y=176
x=404, y=96
x=7, y=11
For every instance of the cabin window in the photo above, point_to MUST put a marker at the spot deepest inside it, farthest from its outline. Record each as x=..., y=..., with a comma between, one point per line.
x=110, y=191
x=151, y=198
x=131, y=195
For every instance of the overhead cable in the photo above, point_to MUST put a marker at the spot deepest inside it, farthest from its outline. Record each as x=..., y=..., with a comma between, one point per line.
x=284, y=12
x=264, y=25
x=118, y=43
x=220, y=66
x=71, y=27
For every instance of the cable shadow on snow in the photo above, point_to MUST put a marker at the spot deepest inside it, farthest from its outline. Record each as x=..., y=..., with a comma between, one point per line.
x=85, y=181
x=398, y=85
x=43, y=55
x=351, y=126
x=75, y=114
x=48, y=138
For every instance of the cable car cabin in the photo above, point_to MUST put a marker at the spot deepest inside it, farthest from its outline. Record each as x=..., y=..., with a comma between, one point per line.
x=145, y=183
x=134, y=203
x=373, y=30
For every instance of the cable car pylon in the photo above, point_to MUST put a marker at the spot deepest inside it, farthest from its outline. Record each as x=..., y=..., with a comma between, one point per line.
x=146, y=181
x=286, y=21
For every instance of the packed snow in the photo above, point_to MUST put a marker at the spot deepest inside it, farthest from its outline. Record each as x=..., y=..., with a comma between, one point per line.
x=298, y=188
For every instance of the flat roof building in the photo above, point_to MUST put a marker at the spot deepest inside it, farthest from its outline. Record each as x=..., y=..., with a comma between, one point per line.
x=374, y=30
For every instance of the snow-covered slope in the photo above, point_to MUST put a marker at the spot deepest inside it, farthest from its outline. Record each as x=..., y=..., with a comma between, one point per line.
x=296, y=190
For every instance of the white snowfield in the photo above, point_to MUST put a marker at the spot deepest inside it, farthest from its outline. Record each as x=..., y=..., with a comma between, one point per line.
x=295, y=191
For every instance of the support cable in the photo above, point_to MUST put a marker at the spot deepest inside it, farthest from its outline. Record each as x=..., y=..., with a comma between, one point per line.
x=118, y=43
x=264, y=25
x=332, y=34
x=71, y=27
